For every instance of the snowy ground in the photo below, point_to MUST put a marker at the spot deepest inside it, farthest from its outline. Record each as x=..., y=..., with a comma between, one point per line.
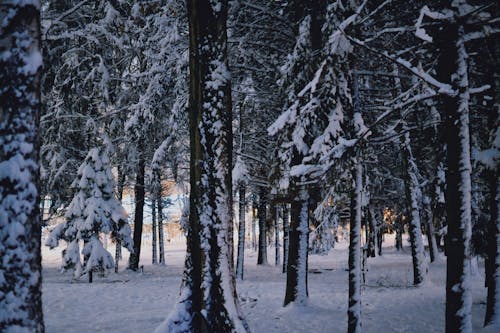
x=138, y=302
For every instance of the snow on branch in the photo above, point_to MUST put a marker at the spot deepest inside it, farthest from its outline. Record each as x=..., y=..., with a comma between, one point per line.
x=442, y=88
x=425, y=11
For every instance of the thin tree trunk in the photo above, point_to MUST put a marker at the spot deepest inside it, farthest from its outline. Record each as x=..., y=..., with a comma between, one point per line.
x=452, y=68
x=241, y=234
x=153, y=232
x=262, y=256
x=296, y=277
x=354, y=310
x=254, y=225
x=413, y=193
x=121, y=185
x=286, y=234
x=133, y=263
x=161, y=241
x=277, y=259
x=430, y=230
x=20, y=221
x=372, y=240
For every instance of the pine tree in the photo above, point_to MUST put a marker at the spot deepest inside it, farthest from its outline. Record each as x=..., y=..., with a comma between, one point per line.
x=20, y=227
x=93, y=210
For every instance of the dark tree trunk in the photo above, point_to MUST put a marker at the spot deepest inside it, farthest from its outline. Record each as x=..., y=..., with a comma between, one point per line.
x=241, y=234
x=452, y=68
x=254, y=225
x=153, y=231
x=133, y=263
x=372, y=240
x=121, y=185
x=208, y=299
x=277, y=259
x=429, y=228
x=286, y=234
x=161, y=238
x=20, y=221
x=399, y=225
x=354, y=310
x=296, y=277
x=262, y=256
x=492, y=316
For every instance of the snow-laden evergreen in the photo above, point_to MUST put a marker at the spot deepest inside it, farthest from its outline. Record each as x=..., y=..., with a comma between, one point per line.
x=93, y=211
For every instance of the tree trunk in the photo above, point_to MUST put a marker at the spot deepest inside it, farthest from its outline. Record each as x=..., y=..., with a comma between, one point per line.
x=399, y=225
x=412, y=189
x=20, y=221
x=354, y=310
x=241, y=234
x=452, y=68
x=286, y=234
x=262, y=256
x=254, y=225
x=430, y=230
x=296, y=277
x=153, y=231
x=492, y=316
x=413, y=194
x=208, y=298
x=133, y=263
x=277, y=259
x=372, y=240
x=161, y=241
x=121, y=185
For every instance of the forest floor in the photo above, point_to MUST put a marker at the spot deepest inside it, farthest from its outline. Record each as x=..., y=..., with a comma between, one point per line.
x=139, y=302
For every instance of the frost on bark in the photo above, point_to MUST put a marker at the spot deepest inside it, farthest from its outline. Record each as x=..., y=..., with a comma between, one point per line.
x=354, y=310
x=296, y=277
x=452, y=68
x=286, y=231
x=241, y=233
x=261, y=212
x=208, y=300
x=20, y=227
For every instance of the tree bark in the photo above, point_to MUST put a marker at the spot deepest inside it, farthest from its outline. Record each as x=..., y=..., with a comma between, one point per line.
x=354, y=310
x=277, y=259
x=241, y=233
x=208, y=298
x=413, y=194
x=120, y=186
x=452, y=68
x=153, y=232
x=286, y=234
x=296, y=277
x=133, y=263
x=20, y=221
x=262, y=256
x=161, y=238
x=254, y=225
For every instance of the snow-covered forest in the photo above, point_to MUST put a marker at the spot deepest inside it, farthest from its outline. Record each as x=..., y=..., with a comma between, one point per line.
x=214, y=166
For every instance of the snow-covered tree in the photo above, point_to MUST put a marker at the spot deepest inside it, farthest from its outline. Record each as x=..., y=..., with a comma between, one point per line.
x=93, y=211
x=20, y=227
x=208, y=301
